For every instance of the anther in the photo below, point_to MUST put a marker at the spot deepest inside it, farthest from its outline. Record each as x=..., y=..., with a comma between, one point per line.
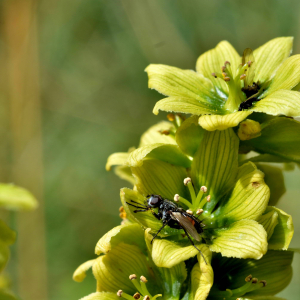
x=176, y=198
x=171, y=117
x=263, y=282
x=243, y=76
x=136, y=296
x=208, y=198
x=224, y=74
x=146, y=297
x=132, y=277
x=189, y=211
x=119, y=293
x=248, y=278
x=199, y=211
x=164, y=132
x=143, y=279
x=214, y=74
x=254, y=280
x=227, y=78
x=223, y=68
x=203, y=189
x=121, y=209
x=187, y=180
x=249, y=63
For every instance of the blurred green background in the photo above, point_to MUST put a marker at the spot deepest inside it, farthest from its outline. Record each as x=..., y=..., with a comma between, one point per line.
x=73, y=90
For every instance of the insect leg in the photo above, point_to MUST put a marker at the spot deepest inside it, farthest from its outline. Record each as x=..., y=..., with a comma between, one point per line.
x=194, y=244
x=164, y=224
x=140, y=210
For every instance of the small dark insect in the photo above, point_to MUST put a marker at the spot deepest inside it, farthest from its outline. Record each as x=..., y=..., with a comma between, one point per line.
x=173, y=216
x=249, y=91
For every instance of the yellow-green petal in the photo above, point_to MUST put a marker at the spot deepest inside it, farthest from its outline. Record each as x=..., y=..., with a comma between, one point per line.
x=215, y=164
x=282, y=102
x=166, y=153
x=249, y=198
x=4, y=255
x=269, y=220
x=176, y=82
x=7, y=235
x=113, y=269
x=242, y=239
x=167, y=254
x=286, y=77
x=124, y=173
x=283, y=231
x=270, y=56
x=154, y=134
x=101, y=296
x=212, y=61
x=15, y=198
x=219, y=122
x=202, y=276
x=80, y=272
x=116, y=159
x=132, y=234
x=187, y=106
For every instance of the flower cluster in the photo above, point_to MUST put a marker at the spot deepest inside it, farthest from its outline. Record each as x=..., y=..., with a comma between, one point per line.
x=201, y=221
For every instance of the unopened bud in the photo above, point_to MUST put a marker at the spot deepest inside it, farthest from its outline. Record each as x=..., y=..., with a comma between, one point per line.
x=187, y=180
x=248, y=130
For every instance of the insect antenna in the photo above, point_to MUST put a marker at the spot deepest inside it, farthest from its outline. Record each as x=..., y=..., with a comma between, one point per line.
x=142, y=207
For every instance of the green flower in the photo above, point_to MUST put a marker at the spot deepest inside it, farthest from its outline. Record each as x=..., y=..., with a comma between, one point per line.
x=230, y=200
x=265, y=77
x=251, y=279
x=125, y=268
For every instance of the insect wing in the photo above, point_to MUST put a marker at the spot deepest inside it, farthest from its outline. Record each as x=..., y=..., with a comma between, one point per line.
x=186, y=223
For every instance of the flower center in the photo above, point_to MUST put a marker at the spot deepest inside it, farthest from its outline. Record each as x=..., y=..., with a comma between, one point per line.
x=251, y=284
x=238, y=86
x=142, y=290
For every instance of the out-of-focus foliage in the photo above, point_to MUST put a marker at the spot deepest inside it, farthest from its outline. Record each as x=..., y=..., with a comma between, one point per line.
x=95, y=101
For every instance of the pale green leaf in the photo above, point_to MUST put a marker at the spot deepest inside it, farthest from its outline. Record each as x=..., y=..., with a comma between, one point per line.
x=116, y=159
x=202, y=276
x=176, y=82
x=219, y=122
x=80, y=272
x=249, y=197
x=15, y=198
x=155, y=134
x=160, y=178
x=282, y=102
x=131, y=234
x=283, y=231
x=166, y=153
x=279, y=136
x=215, y=164
x=189, y=135
x=287, y=76
x=101, y=296
x=242, y=239
x=113, y=269
x=186, y=105
x=212, y=61
x=270, y=56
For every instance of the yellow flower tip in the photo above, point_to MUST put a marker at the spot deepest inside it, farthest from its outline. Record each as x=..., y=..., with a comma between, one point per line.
x=132, y=277
x=189, y=211
x=146, y=297
x=171, y=117
x=248, y=130
x=208, y=198
x=187, y=180
x=136, y=296
x=199, y=211
x=143, y=279
x=203, y=189
x=119, y=293
x=176, y=198
x=248, y=278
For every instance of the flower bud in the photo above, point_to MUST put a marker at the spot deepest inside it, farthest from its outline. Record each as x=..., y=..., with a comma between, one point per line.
x=248, y=130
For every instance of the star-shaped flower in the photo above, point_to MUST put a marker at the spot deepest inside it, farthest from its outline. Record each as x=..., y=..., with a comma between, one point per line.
x=227, y=88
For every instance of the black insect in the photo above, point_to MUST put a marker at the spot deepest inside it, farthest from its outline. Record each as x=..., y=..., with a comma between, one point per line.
x=249, y=91
x=173, y=216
